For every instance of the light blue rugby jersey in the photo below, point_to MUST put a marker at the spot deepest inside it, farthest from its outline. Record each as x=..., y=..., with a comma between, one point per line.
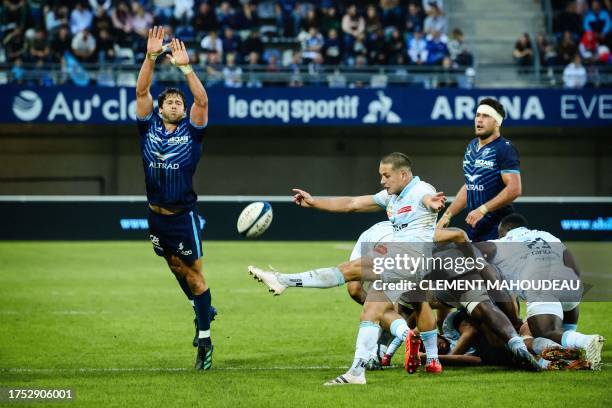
x=169, y=160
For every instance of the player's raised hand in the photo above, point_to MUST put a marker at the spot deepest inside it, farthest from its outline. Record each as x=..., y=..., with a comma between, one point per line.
x=436, y=202
x=155, y=40
x=180, y=56
x=302, y=198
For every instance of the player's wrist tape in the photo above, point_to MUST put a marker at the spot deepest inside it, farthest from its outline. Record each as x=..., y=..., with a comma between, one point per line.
x=185, y=68
x=153, y=55
x=483, y=209
x=448, y=215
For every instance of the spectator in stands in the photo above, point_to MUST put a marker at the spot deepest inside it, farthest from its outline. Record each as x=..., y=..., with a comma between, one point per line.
x=226, y=15
x=246, y=19
x=183, y=10
x=17, y=72
x=414, y=18
x=312, y=45
x=141, y=21
x=330, y=20
x=39, y=47
x=546, y=51
x=353, y=26
x=272, y=65
x=417, y=49
x=232, y=74
x=376, y=48
x=212, y=44
x=252, y=44
x=163, y=10
x=395, y=48
x=121, y=16
x=14, y=45
x=588, y=47
x=448, y=77
x=435, y=21
x=101, y=21
x=523, y=53
x=287, y=17
x=310, y=19
x=574, y=74
x=14, y=13
x=56, y=17
x=372, y=20
x=332, y=49
x=205, y=19
x=428, y=4
x=231, y=43
x=436, y=49
x=358, y=48
x=391, y=14
x=105, y=47
x=597, y=20
x=214, y=69
x=60, y=44
x=84, y=46
x=253, y=69
x=459, y=54
x=569, y=20
x=80, y=18
x=567, y=48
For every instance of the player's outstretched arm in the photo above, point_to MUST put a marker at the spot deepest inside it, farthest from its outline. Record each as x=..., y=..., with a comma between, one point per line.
x=144, y=100
x=336, y=204
x=180, y=57
x=456, y=207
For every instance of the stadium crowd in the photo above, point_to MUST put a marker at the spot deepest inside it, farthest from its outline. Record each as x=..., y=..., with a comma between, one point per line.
x=580, y=42
x=226, y=37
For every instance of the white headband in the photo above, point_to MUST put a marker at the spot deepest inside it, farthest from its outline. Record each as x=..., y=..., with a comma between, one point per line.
x=488, y=110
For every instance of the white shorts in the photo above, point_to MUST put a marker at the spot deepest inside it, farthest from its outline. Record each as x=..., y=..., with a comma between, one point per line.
x=544, y=308
x=379, y=232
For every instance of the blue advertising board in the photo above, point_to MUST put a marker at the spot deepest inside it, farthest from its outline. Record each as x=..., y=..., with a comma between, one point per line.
x=317, y=106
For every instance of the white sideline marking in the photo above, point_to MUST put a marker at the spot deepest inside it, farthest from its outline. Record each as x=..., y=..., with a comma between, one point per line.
x=166, y=369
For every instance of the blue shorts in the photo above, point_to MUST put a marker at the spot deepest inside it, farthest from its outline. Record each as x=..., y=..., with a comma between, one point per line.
x=177, y=234
x=485, y=233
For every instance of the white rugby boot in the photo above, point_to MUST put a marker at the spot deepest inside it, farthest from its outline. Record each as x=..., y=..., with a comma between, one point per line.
x=270, y=279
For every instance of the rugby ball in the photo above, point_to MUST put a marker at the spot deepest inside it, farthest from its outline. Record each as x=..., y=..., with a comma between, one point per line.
x=255, y=219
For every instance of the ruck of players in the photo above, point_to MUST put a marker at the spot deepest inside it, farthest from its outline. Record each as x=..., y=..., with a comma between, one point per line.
x=515, y=265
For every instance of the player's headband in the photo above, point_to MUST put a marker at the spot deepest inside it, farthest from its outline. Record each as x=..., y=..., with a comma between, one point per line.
x=488, y=110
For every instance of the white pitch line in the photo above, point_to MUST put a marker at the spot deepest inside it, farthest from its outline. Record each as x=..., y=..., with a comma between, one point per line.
x=166, y=369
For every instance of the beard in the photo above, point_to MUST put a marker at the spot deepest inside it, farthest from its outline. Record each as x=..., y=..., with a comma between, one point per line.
x=171, y=121
x=485, y=135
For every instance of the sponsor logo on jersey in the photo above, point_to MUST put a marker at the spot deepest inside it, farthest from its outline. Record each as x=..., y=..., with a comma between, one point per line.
x=175, y=140
x=172, y=166
x=472, y=178
x=484, y=163
x=155, y=138
x=475, y=187
x=405, y=209
x=182, y=250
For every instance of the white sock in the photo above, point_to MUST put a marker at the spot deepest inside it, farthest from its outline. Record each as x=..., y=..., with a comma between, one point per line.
x=541, y=343
x=316, y=278
x=394, y=346
x=400, y=329
x=573, y=339
x=430, y=341
x=365, y=347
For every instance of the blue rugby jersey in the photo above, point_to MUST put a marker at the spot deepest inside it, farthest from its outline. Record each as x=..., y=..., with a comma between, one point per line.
x=169, y=160
x=483, y=169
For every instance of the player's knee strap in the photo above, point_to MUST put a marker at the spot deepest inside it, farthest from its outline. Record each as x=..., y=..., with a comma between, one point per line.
x=544, y=308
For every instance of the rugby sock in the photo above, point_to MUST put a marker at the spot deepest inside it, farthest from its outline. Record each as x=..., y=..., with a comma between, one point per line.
x=383, y=341
x=572, y=339
x=543, y=363
x=430, y=341
x=316, y=278
x=400, y=329
x=569, y=327
x=515, y=344
x=202, y=307
x=540, y=344
x=185, y=287
x=394, y=346
x=365, y=347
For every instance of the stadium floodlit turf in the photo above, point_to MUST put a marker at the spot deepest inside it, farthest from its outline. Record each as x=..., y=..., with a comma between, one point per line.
x=108, y=320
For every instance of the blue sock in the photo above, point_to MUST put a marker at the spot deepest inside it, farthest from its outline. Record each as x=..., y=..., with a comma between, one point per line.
x=185, y=287
x=569, y=326
x=202, y=308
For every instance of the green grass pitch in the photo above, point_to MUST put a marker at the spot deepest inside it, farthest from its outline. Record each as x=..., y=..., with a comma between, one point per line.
x=108, y=320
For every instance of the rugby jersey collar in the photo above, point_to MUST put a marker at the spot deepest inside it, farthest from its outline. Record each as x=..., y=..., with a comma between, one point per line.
x=479, y=148
x=412, y=183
